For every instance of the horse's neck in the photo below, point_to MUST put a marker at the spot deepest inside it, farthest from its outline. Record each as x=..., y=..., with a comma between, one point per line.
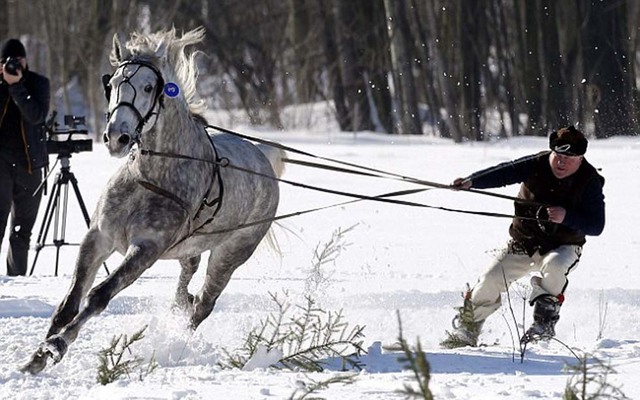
x=175, y=135
x=176, y=131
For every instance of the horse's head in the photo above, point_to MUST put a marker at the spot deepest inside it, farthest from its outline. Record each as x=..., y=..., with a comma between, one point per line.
x=135, y=90
x=134, y=93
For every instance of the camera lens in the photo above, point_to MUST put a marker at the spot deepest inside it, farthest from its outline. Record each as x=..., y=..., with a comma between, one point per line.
x=12, y=66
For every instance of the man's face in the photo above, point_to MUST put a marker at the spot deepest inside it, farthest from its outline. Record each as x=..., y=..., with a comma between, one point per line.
x=563, y=165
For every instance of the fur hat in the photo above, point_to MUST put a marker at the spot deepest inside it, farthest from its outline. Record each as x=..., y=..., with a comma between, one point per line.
x=568, y=141
x=13, y=48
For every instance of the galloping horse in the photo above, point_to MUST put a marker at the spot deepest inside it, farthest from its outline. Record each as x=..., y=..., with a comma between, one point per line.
x=176, y=196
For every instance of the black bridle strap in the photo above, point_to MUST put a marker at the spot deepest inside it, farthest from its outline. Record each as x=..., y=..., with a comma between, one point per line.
x=157, y=99
x=373, y=172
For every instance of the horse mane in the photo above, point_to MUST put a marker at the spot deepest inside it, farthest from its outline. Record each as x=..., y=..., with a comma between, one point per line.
x=179, y=65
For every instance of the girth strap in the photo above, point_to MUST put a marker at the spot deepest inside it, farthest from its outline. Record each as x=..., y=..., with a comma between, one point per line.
x=150, y=186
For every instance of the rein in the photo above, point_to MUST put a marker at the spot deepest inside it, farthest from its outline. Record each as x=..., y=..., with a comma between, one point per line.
x=373, y=172
x=384, y=198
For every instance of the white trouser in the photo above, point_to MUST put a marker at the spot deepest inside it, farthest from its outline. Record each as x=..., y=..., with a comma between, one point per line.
x=512, y=265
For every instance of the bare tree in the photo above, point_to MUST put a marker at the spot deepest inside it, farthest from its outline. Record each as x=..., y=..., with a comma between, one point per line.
x=608, y=67
x=408, y=117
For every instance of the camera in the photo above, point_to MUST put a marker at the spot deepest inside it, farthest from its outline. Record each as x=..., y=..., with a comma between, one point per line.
x=57, y=144
x=12, y=65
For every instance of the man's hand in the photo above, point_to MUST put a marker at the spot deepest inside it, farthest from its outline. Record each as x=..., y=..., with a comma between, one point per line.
x=556, y=214
x=461, y=183
x=11, y=79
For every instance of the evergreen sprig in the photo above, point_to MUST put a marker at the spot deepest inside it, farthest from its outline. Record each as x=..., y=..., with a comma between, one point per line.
x=313, y=386
x=113, y=363
x=306, y=338
x=323, y=255
x=418, y=365
x=589, y=381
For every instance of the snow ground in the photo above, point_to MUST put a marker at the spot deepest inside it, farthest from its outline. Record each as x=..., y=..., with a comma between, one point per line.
x=412, y=260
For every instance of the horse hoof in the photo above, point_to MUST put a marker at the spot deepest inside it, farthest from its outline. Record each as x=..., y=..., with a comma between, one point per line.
x=37, y=362
x=183, y=303
x=56, y=347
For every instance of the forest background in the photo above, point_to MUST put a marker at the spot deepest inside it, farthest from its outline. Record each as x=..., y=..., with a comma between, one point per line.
x=466, y=70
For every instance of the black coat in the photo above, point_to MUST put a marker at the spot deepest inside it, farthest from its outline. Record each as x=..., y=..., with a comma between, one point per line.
x=24, y=108
x=580, y=194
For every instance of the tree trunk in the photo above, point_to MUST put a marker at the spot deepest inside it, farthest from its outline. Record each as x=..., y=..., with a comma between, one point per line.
x=298, y=32
x=408, y=118
x=447, y=88
x=471, y=22
x=532, y=75
x=331, y=64
x=609, y=69
x=351, y=69
x=557, y=110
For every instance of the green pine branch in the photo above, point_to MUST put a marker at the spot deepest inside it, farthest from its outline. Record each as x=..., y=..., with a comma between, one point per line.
x=113, y=361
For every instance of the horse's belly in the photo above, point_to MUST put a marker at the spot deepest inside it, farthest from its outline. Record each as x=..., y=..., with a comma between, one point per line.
x=190, y=247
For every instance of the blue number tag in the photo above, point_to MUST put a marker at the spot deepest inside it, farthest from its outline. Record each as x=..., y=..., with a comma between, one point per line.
x=171, y=89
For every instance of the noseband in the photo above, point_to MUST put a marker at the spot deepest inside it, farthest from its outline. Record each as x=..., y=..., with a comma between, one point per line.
x=157, y=98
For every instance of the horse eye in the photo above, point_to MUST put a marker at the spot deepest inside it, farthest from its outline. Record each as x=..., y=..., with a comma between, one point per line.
x=148, y=88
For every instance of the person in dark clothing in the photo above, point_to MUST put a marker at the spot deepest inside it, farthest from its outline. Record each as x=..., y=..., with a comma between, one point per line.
x=24, y=105
x=562, y=202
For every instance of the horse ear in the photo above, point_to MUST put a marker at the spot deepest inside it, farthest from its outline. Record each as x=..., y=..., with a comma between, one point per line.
x=161, y=50
x=119, y=52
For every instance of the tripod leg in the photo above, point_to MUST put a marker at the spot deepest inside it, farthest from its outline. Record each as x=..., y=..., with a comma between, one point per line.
x=83, y=208
x=52, y=206
x=57, y=260
x=76, y=189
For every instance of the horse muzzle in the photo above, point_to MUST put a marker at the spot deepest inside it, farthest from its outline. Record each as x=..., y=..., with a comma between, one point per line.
x=118, y=141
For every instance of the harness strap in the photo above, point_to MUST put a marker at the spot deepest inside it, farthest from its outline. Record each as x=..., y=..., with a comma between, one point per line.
x=218, y=200
x=380, y=198
x=373, y=172
x=156, y=189
x=297, y=213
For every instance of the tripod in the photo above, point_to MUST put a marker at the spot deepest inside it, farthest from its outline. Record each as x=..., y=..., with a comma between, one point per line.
x=56, y=212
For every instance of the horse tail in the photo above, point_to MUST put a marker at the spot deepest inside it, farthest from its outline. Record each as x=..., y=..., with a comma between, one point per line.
x=275, y=157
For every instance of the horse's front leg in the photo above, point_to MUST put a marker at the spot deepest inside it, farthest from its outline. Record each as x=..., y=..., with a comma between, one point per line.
x=140, y=256
x=94, y=250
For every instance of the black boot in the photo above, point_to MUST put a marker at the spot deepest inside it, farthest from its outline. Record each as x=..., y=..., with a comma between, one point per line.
x=546, y=314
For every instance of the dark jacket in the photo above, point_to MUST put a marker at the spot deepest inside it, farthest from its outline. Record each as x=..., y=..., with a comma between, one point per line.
x=580, y=194
x=23, y=109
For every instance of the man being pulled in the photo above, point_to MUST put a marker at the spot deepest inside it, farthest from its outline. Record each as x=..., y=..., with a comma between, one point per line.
x=24, y=104
x=562, y=201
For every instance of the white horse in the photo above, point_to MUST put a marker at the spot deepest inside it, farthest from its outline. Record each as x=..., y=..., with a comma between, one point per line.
x=180, y=193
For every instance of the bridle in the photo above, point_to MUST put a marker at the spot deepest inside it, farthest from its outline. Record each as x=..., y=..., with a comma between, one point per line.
x=158, y=98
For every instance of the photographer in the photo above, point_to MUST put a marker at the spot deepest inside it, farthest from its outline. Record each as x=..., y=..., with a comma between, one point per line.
x=24, y=105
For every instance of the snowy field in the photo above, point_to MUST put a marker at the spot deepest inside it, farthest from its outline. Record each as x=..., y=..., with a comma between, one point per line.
x=395, y=258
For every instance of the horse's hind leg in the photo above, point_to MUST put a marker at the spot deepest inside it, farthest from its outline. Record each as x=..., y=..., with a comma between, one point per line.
x=222, y=262
x=189, y=266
